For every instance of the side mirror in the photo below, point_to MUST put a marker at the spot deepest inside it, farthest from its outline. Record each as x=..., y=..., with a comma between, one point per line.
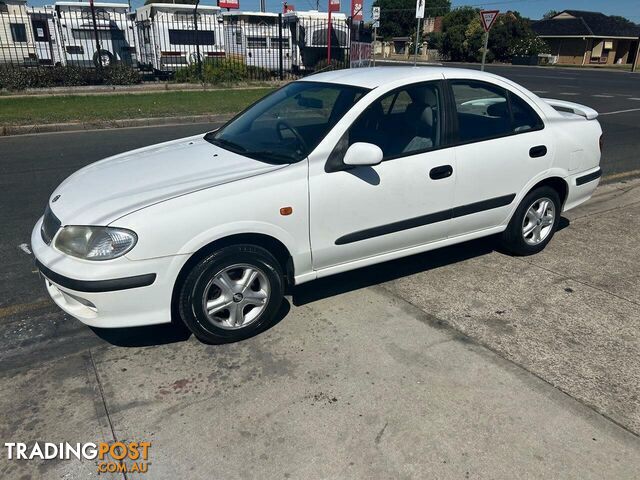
x=361, y=154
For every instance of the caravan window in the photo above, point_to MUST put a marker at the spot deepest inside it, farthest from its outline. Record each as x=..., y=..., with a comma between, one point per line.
x=89, y=34
x=18, y=32
x=188, y=37
x=275, y=42
x=338, y=37
x=256, y=42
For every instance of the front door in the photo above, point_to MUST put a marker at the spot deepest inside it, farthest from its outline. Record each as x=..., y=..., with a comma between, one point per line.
x=403, y=202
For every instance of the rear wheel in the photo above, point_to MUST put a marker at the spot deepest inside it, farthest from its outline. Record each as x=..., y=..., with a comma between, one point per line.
x=232, y=294
x=533, y=223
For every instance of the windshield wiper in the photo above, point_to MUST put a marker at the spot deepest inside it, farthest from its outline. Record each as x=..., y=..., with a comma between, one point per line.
x=221, y=142
x=260, y=154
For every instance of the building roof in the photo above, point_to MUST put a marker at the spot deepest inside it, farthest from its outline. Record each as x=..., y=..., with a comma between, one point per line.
x=579, y=23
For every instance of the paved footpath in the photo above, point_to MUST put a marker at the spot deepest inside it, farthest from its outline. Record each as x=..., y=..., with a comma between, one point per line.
x=462, y=363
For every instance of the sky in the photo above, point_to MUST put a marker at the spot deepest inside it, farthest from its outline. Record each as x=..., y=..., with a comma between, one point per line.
x=529, y=8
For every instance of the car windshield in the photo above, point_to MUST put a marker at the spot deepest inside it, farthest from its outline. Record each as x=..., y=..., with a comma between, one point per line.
x=287, y=125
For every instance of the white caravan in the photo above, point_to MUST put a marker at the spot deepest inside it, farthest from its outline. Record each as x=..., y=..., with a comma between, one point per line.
x=46, y=35
x=309, y=37
x=167, y=35
x=16, y=37
x=112, y=27
x=254, y=37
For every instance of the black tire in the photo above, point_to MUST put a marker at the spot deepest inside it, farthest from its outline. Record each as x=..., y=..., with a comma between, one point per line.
x=196, y=283
x=106, y=53
x=513, y=239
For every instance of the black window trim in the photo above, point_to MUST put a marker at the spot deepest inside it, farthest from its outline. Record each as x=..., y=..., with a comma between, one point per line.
x=335, y=164
x=454, y=112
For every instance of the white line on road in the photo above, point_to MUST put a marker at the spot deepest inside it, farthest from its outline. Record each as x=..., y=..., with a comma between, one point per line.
x=634, y=98
x=621, y=111
x=25, y=248
x=540, y=91
x=567, y=93
x=602, y=95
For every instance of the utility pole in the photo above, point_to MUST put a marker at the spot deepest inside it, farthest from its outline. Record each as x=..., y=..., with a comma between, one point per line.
x=97, y=37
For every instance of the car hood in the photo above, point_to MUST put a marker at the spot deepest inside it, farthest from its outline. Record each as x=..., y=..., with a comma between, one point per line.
x=106, y=190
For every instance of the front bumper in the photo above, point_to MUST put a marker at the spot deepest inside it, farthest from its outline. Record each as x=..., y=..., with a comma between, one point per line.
x=108, y=294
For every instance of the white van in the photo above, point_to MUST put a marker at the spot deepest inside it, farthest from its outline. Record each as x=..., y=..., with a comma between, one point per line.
x=16, y=36
x=113, y=28
x=309, y=37
x=167, y=35
x=254, y=37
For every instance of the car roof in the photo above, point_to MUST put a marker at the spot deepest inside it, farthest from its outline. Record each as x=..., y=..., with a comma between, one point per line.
x=375, y=76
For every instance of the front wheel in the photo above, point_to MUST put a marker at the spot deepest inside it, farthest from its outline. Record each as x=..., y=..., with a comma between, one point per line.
x=232, y=294
x=533, y=223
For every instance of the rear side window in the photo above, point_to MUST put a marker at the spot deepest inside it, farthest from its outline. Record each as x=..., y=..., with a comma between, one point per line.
x=487, y=111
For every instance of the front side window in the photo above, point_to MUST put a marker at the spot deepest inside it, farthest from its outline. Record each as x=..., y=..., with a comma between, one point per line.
x=18, y=32
x=403, y=122
x=287, y=125
x=487, y=111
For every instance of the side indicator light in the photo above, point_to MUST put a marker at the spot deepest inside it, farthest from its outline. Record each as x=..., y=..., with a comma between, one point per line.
x=284, y=211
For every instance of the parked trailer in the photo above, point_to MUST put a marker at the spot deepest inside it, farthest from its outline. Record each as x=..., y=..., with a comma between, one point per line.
x=113, y=28
x=46, y=35
x=309, y=37
x=168, y=39
x=17, y=44
x=255, y=37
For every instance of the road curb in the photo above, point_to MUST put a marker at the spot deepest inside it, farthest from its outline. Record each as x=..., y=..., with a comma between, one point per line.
x=8, y=130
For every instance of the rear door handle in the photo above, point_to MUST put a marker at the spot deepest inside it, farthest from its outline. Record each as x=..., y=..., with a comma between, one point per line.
x=538, y=151
x=443, y=171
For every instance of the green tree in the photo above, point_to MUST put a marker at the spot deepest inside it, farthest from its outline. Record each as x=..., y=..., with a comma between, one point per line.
x=508, y=29
x=550, y=14
x=398, y=17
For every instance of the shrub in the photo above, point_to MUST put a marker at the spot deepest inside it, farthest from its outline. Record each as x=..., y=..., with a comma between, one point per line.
x=19, y=78
x=218, y=71
x=324, y=65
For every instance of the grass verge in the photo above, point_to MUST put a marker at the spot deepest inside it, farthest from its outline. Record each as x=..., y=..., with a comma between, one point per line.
x=96, y=108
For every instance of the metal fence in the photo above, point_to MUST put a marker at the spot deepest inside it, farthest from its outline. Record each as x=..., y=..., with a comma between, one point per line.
x=166, y=40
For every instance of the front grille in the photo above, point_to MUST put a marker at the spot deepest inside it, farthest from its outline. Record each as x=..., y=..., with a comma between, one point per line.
x=50, y=225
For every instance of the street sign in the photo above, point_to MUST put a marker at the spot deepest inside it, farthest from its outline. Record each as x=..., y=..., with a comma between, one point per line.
x=419, y=8
x=376, y=24
x=488, y=18
x=356, y=10
x=334, y=5
x=375, y=13
x=234, y=4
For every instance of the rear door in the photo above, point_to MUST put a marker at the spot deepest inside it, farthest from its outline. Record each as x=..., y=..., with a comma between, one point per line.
x=501, y=145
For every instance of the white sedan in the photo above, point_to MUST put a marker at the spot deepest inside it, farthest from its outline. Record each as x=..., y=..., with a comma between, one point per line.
x=330, y=173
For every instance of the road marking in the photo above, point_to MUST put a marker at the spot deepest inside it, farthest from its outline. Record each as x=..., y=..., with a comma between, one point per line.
x=567, y=93
x=25, y=248
x=540, y=91
x=540, y=76
x=634, y=98
x=24, y=307
x=621, y=111
x=602, y=95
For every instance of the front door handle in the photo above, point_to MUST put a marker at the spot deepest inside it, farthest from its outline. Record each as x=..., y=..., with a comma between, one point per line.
x=443, y=171
x=538, y=151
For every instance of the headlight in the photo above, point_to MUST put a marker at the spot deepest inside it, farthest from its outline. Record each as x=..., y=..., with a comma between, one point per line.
x=95, y=243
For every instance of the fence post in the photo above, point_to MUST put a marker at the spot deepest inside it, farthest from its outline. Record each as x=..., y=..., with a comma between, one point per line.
x=195, y=27
x=280, y=59
x=95, y=33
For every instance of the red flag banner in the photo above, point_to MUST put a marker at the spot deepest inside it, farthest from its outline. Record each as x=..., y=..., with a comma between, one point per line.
x=356, y=10
x=234, y=4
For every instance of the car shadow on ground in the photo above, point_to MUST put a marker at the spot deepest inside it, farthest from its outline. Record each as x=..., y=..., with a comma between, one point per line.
x=323, y=288
x=164, y=334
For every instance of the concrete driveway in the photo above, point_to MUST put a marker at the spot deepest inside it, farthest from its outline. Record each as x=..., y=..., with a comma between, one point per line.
x=460, y=363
